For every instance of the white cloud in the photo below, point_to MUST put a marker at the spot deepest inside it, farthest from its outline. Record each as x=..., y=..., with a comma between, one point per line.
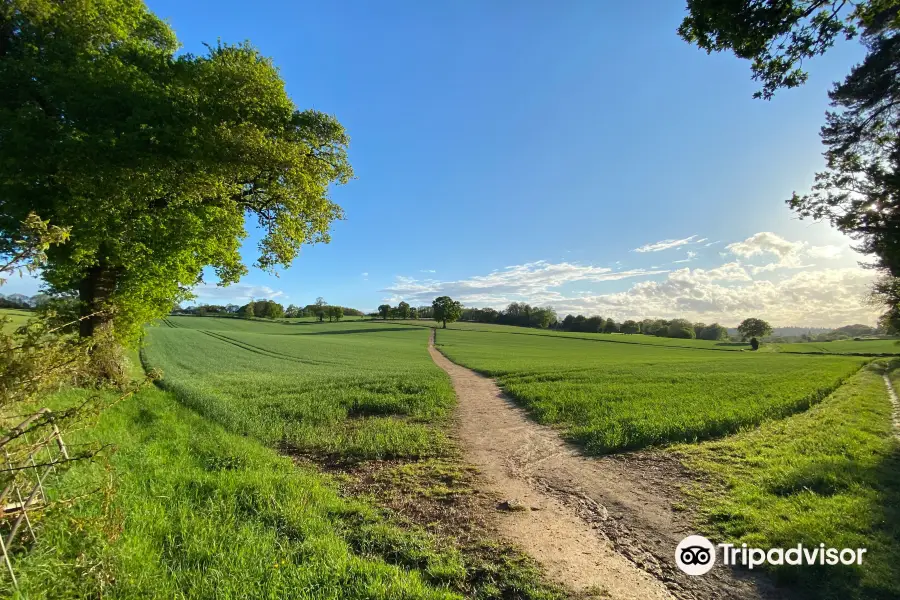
x=790, y=255
x=665, y=244
x=531, y=282
x=238, y=292
x=824, y=298
x=784, y=288
x=828, y=252
x=427, y=271
x=765, y=242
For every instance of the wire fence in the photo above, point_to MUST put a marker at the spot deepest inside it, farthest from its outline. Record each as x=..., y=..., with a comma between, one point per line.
x=32, y=450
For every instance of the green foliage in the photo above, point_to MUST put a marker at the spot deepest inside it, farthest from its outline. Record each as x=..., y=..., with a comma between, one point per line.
x=618, y=396
x=385, y=311
x=631, y=327
x=831, y=474
x=714, y=332
x=403, y=310
x=153, y=158
x=349, y=390
x=267, y=309
x=776, y=36
x=446, y=310
x=681, y=329
x=752, y=327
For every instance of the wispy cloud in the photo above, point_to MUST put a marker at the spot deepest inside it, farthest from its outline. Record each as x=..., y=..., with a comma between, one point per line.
x=532, y=282
x=665, y=244
x=691, y=255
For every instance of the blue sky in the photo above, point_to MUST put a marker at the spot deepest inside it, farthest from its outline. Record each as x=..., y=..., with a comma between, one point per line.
x=509, y=151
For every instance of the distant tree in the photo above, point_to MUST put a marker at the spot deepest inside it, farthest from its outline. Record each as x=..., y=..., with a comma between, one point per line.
x=568, y=322
x=403, y=310
x=291, y=311
x=385, y=311
x=610, y=327
x=713, y=332
x=681, y=328
x=335, y=313
x=446, y=310
x=754, y=328
x=247, y=311
x=544, y=317
x=413, y=313
x=630, y=327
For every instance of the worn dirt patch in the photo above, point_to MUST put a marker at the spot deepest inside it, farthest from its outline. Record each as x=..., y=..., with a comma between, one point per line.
x=895, y=403
x=605, y=522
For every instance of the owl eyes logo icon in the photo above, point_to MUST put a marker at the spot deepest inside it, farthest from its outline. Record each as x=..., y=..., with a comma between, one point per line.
x=695, y=555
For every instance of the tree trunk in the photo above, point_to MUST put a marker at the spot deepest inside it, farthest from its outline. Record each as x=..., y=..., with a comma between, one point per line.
x=445, y=324
x=94, y=292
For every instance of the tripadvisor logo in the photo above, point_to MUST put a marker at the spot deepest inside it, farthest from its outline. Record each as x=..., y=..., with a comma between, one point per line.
x=696, y=555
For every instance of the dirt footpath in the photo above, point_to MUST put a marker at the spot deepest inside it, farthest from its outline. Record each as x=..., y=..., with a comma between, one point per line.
x=605, y=524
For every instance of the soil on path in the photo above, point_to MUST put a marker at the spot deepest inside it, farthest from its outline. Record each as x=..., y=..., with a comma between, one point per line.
x=605, y=523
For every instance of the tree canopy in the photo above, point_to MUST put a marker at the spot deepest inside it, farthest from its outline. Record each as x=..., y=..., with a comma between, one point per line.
x=446, y=310
x=151, y=158
x=385, y=311
x=754, y=328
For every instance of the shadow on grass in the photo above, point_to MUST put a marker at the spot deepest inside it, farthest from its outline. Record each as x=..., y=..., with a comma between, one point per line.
x=878, y=577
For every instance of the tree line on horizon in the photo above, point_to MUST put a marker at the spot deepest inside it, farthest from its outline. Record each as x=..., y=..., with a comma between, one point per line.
x=269, y=309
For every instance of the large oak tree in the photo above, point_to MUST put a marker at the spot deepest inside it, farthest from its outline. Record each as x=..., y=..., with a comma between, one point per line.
x=151, y=157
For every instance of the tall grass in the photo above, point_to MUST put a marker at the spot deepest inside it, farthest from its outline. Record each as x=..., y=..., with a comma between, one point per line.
x=613, y=397
x=196, y=512
x=830, y=475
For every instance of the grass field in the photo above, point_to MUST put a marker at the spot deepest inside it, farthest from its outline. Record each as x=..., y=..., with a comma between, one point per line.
x=205, y=506
x=863, y=347
x=830, y=474
x=351, y=390
x=194, y=510
x=15, y=318
x=612, y=397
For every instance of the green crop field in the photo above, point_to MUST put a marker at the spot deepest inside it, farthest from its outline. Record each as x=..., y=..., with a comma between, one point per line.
x=860, y=347
x=612, y=397
x=14, y=318
x=830, y=474
x=198, y=501
x=347, y=389
x=873, y=346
